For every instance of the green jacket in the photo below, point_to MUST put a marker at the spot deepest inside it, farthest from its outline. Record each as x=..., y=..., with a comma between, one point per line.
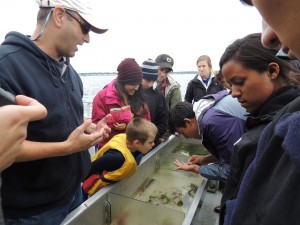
x=172, y=92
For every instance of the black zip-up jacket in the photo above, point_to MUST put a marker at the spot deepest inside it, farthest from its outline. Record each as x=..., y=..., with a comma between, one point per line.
x=195, y=89
x=244, y=151
x=159, y=111
x=29, y=188
x=269, y=192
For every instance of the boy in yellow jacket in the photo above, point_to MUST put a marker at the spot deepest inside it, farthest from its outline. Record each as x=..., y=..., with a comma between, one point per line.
x=115, y=160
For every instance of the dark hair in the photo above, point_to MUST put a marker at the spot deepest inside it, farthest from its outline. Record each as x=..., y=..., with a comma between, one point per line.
x=137, y=102
x=251, y=54
x=166, y=70
x=219, y=77
x=42, y=14
x=121, y=92
x=247, y=2
x=178, y=113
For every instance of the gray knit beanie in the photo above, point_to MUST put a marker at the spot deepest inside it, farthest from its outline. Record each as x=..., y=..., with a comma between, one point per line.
x=150, y=69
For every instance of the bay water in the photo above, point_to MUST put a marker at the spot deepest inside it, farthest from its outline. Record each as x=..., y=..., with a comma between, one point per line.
x=94, y=82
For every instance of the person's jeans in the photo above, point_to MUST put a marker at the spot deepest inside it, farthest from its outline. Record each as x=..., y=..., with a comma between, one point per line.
x=215, y=171
x=51, y=217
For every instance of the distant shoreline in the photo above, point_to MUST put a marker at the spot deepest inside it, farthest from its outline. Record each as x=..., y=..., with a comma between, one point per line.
x=115, y=73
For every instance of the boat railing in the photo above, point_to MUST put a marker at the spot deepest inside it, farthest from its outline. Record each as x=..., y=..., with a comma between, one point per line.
x=88, y=106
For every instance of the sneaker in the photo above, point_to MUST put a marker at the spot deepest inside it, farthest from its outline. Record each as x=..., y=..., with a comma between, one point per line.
x=222, y=186
x=217, y=209
x=212, y=186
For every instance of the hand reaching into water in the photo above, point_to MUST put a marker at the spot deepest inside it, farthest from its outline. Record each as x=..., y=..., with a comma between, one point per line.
x=186, y=167
x=201, y=159
x=195, y=159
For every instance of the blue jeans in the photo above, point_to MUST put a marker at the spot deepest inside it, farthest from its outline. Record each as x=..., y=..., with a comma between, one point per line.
x=215, y=171
x=51, y=217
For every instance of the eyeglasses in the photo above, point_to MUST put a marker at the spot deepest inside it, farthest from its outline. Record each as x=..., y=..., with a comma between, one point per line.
x=85, y=27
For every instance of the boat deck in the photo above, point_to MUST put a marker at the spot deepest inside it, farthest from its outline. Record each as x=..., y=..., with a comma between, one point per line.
x=206, y=215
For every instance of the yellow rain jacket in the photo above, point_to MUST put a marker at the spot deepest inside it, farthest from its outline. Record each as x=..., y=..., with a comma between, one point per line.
x=128, y=168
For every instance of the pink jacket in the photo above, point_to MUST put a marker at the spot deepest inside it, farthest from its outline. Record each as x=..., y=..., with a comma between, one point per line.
x=105, y=100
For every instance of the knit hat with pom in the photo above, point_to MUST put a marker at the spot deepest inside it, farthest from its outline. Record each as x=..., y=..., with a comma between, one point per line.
x=129, y=72
x=150, y=69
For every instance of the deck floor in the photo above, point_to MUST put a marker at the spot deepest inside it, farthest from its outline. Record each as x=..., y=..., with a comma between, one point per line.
x=206, y=215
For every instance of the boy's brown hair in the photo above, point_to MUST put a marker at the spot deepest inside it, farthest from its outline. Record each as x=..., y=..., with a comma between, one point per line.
x=140, y=129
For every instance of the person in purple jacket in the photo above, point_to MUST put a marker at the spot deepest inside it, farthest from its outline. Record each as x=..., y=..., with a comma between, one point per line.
x=219, y=121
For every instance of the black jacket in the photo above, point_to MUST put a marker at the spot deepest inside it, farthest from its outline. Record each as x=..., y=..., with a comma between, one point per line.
x=245, y=150
x=159, y=112
x=30, y=188
x=270, y=189
x=195, y=89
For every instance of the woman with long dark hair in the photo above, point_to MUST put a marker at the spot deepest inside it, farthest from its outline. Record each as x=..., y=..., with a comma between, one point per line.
x=123, y=98
x=263, y=84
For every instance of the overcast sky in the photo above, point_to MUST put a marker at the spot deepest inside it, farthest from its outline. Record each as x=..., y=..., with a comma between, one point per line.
x=184, y=29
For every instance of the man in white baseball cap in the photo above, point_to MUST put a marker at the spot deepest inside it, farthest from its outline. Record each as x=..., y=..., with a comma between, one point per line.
x=91, y=15
x=45, y=183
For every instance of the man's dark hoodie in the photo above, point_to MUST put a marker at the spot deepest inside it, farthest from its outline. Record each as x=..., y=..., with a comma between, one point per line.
x=30, y=188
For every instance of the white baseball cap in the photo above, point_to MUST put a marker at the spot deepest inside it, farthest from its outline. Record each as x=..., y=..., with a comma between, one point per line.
x=83, y=8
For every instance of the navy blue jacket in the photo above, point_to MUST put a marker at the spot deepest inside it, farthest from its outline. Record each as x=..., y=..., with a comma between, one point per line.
x=273, y=175
x=32, y=187
x=244, y=153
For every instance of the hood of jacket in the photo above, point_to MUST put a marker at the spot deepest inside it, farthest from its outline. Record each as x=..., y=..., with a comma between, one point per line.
x=19, y=42
x=273, y=104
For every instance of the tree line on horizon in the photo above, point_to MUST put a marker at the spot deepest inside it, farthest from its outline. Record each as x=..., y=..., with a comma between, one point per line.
x=114, y=73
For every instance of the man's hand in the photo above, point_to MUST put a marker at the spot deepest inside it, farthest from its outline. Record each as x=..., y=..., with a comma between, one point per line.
x=88, y=134
x=201, y=159
x=195, y=159
x=80, y=140
x=186, y=167
x=101, y=124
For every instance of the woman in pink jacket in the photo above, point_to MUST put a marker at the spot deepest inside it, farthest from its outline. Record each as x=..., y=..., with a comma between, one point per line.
x=122, y=97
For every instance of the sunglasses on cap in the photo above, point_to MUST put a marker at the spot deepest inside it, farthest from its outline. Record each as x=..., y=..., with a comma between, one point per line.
x=85, y=27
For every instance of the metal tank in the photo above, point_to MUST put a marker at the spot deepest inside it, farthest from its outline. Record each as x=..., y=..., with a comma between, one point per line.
x=155, y=194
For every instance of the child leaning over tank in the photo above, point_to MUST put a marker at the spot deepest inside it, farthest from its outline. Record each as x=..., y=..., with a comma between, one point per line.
x=115, y=160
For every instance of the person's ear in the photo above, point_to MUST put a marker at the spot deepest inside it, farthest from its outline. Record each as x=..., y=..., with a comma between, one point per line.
x=59, y=15
x=136, y=144
x=187, y=121
x=273, y=70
